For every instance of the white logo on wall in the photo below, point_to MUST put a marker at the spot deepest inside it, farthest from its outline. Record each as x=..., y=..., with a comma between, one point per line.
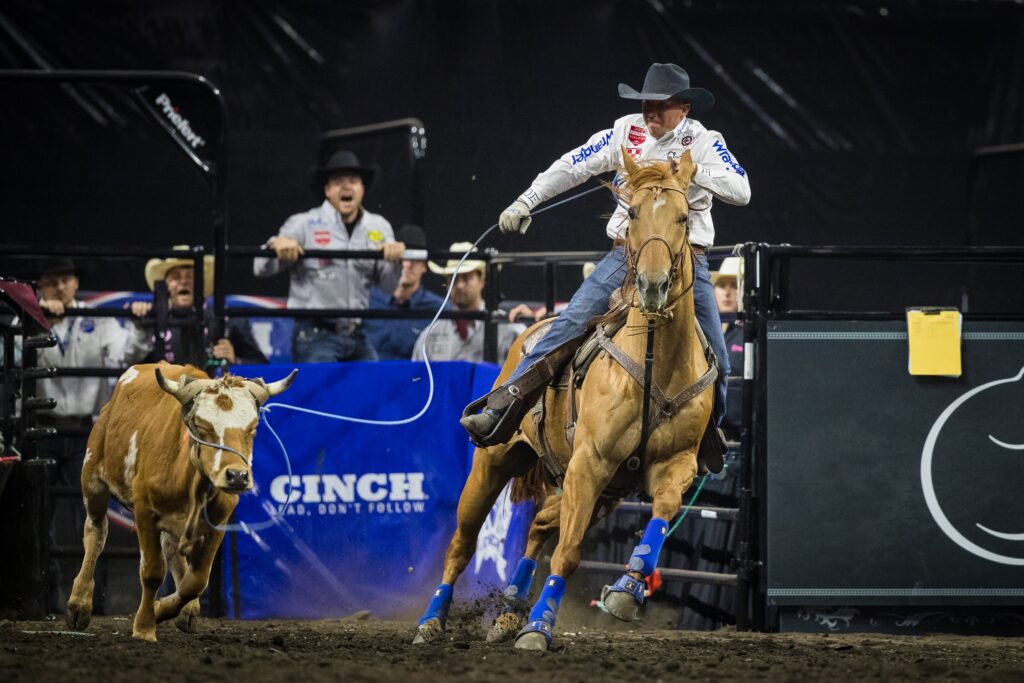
x=343, y=494
x=490, y=544
x=180, y=123
x=970, y=463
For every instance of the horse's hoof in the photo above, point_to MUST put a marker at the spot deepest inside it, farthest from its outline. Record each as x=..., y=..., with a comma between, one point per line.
x=187, y=621
x=77, y=618
x=505, y=627
x=620, y=605
x=149, y=635
x=532, y=640
x=429, y=631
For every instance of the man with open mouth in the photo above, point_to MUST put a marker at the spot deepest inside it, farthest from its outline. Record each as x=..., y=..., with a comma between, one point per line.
x=340, y=222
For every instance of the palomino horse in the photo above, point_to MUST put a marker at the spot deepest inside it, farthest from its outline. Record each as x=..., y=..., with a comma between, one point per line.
x=609, y=430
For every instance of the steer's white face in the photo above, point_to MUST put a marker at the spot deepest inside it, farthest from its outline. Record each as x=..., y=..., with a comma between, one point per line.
x=223, y=412
x=226, y=414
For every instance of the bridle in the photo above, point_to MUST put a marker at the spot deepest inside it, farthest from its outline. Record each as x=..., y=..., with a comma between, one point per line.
x=677, y=257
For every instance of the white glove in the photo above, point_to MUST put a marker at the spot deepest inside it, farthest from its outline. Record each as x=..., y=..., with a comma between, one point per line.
x=516, y=218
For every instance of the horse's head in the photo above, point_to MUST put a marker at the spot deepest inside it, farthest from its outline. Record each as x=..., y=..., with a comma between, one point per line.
x=657, y=236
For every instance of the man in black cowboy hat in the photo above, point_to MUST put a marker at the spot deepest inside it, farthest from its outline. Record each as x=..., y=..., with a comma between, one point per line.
x=394, y=339
x=663, y=130
x=82, y=342
x=340, y=222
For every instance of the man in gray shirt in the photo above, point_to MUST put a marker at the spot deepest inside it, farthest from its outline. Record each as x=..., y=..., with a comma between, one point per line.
x=340, y=222
x=463, y=339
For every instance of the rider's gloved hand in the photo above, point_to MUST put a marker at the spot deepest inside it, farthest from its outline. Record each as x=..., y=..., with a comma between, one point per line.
x=516, y=218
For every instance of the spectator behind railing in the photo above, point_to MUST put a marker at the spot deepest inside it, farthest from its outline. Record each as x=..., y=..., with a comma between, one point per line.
x=340, y=222
x=726, y=280
x=82, y=342
x=395, y=339
x=464, y=339
x=178, y=345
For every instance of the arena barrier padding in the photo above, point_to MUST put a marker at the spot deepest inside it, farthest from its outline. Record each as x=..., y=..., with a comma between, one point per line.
x=372, y=508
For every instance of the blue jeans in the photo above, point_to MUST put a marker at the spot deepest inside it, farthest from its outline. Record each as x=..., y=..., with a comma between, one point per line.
x=316, y=342
x=592, y=299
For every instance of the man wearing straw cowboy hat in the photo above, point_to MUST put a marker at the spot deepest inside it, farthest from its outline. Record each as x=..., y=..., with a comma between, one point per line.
x=237, y=347
x=340, y=222
x=663, y=130
x=463, y=339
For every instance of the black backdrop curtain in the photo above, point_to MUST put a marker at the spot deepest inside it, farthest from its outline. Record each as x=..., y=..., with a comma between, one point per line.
x=856, y=121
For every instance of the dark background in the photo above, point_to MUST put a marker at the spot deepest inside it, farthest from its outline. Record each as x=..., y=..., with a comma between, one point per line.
x=856, y=121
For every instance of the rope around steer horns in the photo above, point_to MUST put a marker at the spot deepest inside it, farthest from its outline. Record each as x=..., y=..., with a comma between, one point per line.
x=274, y=518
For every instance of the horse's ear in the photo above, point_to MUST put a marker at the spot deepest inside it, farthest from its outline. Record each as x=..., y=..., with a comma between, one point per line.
x=685, y=168
x=628, y=163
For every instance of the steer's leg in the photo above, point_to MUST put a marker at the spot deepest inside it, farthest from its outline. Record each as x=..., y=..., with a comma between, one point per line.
x=666, y=482
x=96, y=495
x=188, y=618
x=492, y=469
x=197, y=576
x=152, y=570
x=587, y=475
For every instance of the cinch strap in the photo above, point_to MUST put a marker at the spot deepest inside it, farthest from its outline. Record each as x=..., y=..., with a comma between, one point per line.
x=645, y=556
x=439, y=604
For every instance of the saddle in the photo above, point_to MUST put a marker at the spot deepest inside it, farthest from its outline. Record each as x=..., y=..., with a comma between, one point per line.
x=599, y=338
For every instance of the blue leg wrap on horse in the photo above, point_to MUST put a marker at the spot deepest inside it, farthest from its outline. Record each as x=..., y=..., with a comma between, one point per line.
x=645, y=555
x=542, y=616
x=519, y=585
x=439, y=604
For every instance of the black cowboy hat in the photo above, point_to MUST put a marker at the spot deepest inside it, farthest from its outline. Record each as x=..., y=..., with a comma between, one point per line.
x=412, y=236
x=668, y=80
x=57, y=265
x=343, y=161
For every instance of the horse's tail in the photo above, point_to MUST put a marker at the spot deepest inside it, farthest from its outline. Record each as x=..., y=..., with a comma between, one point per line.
x=531, y=486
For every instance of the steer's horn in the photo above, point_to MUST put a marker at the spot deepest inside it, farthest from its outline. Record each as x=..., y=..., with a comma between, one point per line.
x=275, y=388
x=180, y=390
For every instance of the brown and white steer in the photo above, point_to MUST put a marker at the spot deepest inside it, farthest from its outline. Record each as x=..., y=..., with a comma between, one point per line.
x=140, y=450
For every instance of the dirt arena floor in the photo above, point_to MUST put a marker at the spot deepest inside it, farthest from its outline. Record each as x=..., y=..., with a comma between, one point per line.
x=372, y=650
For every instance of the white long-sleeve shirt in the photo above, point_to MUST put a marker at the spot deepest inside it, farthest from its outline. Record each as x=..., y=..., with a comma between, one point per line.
x=720, y=175
x=82, y=342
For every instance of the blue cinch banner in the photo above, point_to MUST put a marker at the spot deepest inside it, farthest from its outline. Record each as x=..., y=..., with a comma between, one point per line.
x=370, y=510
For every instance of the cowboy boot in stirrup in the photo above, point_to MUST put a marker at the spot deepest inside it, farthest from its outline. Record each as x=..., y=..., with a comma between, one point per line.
x=505, y=407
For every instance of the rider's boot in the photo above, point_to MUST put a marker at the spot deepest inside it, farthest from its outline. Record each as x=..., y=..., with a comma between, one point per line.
x=505, y=407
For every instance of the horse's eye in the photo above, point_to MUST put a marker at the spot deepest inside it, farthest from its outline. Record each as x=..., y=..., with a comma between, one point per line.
x=631, y=213
x=682, y=219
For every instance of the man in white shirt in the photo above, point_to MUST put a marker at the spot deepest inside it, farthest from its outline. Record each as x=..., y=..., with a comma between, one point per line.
x=463, y=339
x=663, y=130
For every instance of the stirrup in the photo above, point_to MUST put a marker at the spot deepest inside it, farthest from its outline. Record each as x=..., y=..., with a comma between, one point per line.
x=712, y=449
x=508, y=400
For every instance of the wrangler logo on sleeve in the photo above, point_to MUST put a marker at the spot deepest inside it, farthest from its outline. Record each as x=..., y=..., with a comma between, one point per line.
x=724, y=155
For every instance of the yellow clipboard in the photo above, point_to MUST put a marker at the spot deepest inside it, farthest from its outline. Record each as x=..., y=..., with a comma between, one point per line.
x=934, y=337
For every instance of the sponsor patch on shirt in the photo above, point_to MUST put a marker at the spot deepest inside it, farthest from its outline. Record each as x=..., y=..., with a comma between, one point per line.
x=88, y=325
x=588, y=151
x=724, y=155
x=375, y=236
x=322, y=237
x=686, y=140
x=634, y=152
x=637, y=135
